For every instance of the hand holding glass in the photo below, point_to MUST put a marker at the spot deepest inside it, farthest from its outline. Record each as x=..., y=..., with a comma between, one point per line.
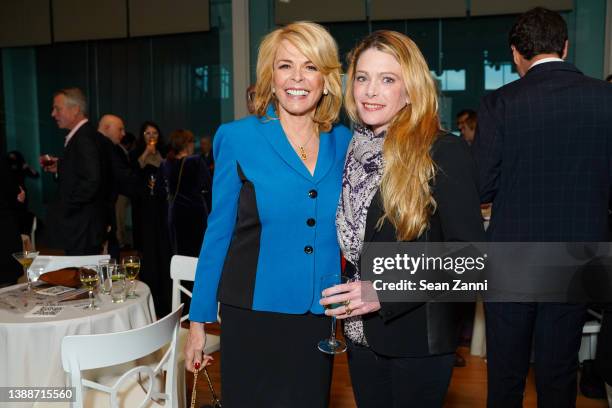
x=89, y=279
x=332, y=345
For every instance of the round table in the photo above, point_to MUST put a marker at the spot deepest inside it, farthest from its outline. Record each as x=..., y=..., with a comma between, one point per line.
x=30, y=348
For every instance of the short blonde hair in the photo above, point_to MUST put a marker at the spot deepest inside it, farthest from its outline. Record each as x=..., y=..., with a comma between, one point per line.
x=409, y=168
x=320, y=48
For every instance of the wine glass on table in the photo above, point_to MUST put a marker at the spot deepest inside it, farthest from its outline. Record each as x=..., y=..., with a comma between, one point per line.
x=131, y=266
x=25, y=258
x=332, y=345
x=89, y=279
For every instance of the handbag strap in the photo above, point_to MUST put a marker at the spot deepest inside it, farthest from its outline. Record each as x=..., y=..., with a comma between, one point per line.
x=178, y=183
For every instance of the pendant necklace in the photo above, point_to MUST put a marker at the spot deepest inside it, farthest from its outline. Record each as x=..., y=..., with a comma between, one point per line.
x=301, y=148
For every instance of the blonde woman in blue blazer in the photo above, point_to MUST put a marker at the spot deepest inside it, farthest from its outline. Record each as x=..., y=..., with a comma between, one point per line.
x=271, y=234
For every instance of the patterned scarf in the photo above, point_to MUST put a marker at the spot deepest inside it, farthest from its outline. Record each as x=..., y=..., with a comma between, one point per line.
x=363, y=170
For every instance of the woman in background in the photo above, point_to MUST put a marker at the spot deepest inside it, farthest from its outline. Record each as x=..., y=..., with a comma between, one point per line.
x=186, y=185
x=150, y=235
x=404, y=180
x=271, y=234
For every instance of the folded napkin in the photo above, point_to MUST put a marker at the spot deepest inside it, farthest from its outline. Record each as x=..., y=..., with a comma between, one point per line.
x=64, y=277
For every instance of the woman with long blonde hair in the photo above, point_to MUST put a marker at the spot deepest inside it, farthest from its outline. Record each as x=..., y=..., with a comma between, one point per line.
x=404, y=180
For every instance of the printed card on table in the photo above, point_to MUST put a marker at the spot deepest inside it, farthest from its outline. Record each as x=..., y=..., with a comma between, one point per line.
x=45, y=311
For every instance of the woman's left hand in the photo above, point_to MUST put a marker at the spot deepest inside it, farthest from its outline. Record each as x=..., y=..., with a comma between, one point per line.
x=357, y=298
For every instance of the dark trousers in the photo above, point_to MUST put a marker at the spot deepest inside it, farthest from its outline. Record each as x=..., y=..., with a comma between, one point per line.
x=384, y=382
x=511, y=328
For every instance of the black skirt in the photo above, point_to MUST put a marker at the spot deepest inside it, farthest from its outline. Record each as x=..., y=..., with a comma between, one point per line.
x=271, y=359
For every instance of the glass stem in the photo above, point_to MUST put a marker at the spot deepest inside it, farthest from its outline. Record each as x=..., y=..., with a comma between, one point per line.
x=332, y=337
x=91, y=299
x=25, y=272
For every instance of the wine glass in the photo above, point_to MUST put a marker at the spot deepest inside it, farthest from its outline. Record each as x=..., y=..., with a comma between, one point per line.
x=131, y=265
x=151, y=184
x=90, y=278
x=106, y=267
x=332, y=345
x=25, y=258
x=118, y=287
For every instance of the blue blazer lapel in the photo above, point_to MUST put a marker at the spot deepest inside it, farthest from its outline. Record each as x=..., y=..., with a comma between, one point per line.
x=273, y=132
x=327, y=155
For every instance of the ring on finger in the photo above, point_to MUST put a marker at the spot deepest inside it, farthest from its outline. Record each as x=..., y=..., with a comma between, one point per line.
x=347, y=308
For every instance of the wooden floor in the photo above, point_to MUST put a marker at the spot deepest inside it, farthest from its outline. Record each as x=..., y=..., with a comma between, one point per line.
x=467, y=389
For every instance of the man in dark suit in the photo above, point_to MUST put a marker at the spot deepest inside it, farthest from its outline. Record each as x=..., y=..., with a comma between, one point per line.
x=124, y=179
x=543, y=148
x=84, y=177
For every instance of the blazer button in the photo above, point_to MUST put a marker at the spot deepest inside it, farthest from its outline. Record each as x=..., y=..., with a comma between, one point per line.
x=310, y=222
x=313, y=194
x=308, y=249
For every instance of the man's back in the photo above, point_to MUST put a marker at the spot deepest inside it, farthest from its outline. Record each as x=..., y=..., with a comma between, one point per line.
x=544, y=147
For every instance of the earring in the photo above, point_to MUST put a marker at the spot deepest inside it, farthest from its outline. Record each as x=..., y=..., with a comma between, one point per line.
x=273, y=91
x=325, y=91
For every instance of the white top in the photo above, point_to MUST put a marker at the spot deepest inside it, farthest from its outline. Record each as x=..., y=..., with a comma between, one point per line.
x=74, y=130
x=545, y=60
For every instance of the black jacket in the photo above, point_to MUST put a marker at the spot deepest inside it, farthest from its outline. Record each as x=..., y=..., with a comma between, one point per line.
x=543, y=148
x=421, y=329
x=85, y=185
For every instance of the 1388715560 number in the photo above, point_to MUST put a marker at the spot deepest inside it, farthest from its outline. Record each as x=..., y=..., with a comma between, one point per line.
x=32, y=394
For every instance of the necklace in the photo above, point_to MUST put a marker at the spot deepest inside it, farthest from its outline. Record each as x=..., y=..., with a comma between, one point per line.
x=301, y=148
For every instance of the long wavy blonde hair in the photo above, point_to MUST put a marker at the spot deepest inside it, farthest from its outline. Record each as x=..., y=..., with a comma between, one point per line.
x=320, y=48
x=406, y=184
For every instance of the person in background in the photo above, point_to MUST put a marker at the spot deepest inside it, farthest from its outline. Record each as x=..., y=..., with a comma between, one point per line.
x=250, y=99
x=125, y=178
x=207, y=153
x=21, y=171
x=186, y=184
x=404, y=180
x=271, y=235
x=148, y=208
x=123, y=202
x=543, y=154
x=146, y=158
x=10, y=241
x=84, y=175
x=466, y=123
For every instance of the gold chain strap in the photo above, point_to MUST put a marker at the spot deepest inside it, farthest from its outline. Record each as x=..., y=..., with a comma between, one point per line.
x=215, y=401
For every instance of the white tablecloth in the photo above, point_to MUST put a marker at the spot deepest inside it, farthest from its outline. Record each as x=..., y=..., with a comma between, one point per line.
x=30, y=348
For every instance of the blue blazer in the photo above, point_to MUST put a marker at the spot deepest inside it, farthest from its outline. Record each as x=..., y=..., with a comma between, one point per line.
x=271, y=235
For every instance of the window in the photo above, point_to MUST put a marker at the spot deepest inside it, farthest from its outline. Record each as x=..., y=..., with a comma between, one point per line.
x=498, y=74
x=451, y=80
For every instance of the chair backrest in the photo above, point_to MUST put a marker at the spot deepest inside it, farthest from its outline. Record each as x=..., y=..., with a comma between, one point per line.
x=53, y=263
x=182, y=268
x=85, y=352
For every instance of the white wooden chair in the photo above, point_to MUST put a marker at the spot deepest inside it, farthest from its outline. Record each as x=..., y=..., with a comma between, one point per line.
x=590, y=330
x=87, y=352
x=183, y=268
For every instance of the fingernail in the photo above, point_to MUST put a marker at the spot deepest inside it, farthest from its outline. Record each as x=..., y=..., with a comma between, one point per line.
x=196, y=365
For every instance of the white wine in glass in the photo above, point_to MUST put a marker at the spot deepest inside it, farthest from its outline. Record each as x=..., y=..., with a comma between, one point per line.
x=131, y=265
x=26, y=258
x=89, y=279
